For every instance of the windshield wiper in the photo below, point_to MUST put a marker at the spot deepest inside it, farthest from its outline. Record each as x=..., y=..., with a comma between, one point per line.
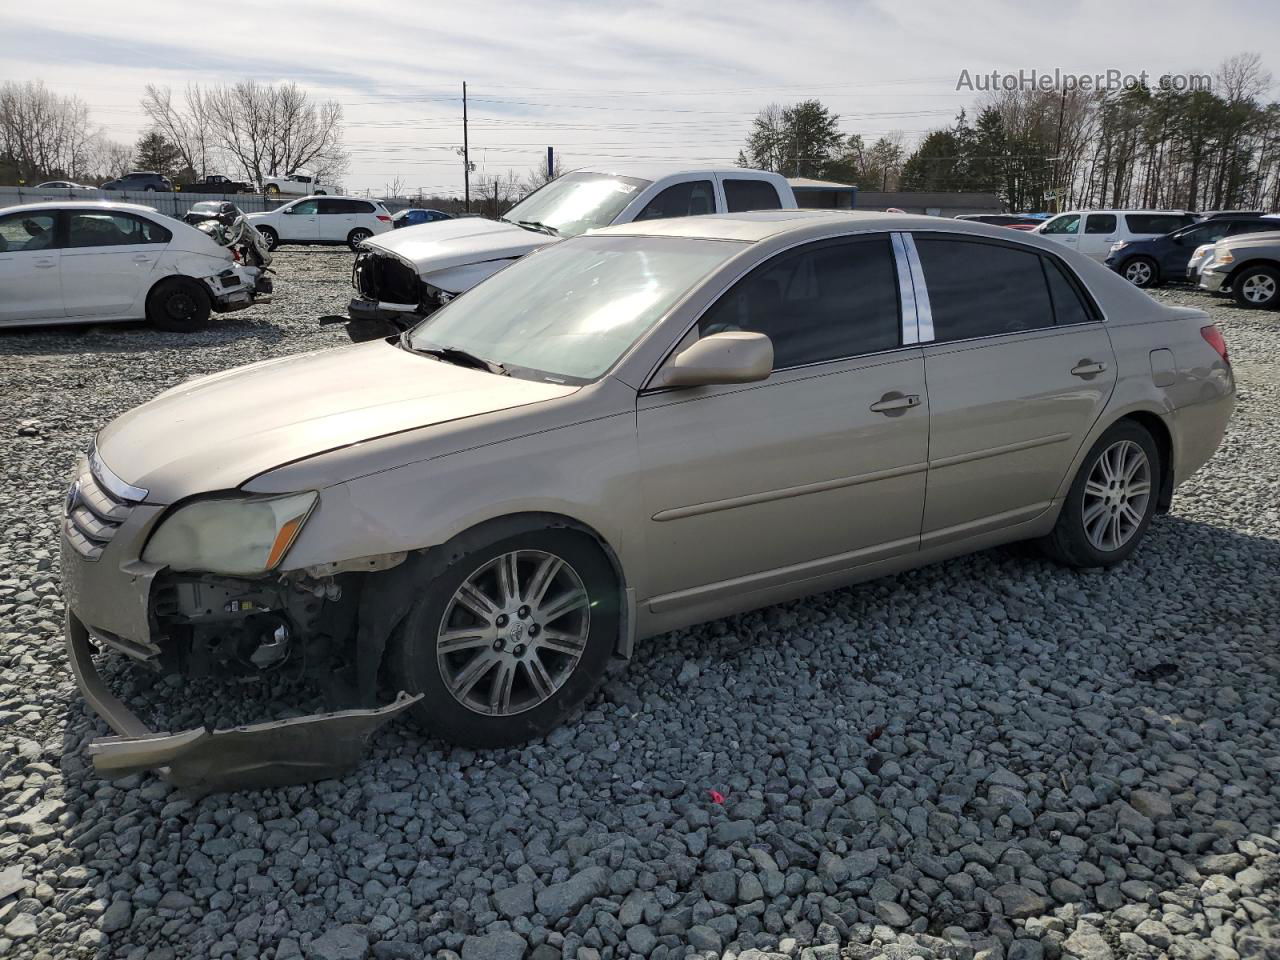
x=455, y=355
x=534, y=225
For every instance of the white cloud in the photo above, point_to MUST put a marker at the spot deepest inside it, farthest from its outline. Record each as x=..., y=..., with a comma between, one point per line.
x=600, y=81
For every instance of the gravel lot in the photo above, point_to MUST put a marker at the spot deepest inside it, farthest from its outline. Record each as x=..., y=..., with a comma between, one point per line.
x=989, y=758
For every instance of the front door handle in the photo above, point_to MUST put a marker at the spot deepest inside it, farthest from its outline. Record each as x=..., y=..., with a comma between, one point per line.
x=141, y=258
x=1088, y=368
x=45, y=264
x=892, y=404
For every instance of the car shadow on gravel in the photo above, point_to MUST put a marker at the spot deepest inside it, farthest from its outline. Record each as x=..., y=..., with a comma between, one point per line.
x=135, y=336
x=1088, y=712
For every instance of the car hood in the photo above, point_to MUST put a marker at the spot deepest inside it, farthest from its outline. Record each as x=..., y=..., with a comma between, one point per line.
x=445, y=244
x=217, y=432
x=1268, y=239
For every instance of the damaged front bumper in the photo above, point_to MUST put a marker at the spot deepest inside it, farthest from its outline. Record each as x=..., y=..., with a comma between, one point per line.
x=238, y=287
x=272, y=754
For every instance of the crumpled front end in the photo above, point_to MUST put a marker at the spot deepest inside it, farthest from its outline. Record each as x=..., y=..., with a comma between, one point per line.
x=195, y=625
x=237, y=287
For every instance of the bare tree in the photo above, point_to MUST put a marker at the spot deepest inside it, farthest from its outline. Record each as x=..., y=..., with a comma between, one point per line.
x=394, y=188
x=43, y=134
x=498, y=193
x=185, y=125
x=539, y=176
x=262, y=129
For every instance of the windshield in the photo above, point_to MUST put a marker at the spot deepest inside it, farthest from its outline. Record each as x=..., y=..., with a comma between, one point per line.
x=577, y=202
x=569, y=311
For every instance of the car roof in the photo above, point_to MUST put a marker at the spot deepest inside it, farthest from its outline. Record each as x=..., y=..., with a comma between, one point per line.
x=1175, y=213
x=656, y=171
x=80, y=205
x=763, y=224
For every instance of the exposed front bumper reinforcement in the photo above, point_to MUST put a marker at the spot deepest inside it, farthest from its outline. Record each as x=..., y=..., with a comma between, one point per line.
x=272, y=754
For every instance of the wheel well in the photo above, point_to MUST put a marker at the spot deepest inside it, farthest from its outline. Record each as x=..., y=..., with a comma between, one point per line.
x=179, y=278
x=386, y=596
x=359, y=230
x=1164, y=443
x=1259, y=262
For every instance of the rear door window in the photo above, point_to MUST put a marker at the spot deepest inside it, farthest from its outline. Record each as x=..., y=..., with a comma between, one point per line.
x=983, y=289
x=740, y=195
x=826, y=301
x=99, y=228
x=1100, y=223
x=681, y=200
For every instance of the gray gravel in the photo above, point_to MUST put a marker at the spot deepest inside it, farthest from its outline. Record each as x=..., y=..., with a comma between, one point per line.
x=990, y=758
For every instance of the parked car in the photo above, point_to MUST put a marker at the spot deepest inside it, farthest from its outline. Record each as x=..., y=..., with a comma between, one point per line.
x=1093, y=232
x=298, y=185
x=401, y=278
x=1248, y=267
x=416, y=215
x=1155, y=260
x=83, y=261
x=216, y=183
x=1018, y=221
x=620, y=435
x=140, y=181
x=62, y=185
x=323, y=220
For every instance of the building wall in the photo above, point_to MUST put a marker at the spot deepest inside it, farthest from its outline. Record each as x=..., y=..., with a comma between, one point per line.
x=937, y=204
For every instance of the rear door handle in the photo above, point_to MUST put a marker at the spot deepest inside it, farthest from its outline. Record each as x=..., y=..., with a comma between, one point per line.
x=1088, y=368
x=892, y=404
x=141, y=258
x=45, y=264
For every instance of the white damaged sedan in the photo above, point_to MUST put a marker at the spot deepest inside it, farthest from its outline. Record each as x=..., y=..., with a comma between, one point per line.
x=95, y=262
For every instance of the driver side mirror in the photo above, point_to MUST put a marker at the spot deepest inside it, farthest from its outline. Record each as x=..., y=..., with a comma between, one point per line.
x=735, y=356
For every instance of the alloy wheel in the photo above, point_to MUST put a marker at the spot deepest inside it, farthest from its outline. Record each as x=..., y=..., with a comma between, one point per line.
x=1116, y=495
x=1259, y=288
x=1138, y=273
x=513, y=632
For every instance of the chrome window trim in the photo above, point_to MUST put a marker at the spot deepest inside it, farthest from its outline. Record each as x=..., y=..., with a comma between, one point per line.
x=924, y=312
x=906, y=290
x=843, y=235
x=112, y=483
x=1015, y=333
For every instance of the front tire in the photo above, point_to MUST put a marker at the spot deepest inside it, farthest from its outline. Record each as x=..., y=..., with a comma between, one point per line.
x=178, y=305
x=509, y=638
x=1257, y=288
x=357, y=237
x=1111, y=501
x=1141, y=272
x=271, y=237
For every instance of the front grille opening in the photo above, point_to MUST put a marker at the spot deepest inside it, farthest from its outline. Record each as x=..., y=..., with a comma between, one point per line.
x=385, y=278
x=93, y=516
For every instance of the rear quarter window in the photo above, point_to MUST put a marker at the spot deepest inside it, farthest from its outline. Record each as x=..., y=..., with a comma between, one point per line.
x=1156, y=223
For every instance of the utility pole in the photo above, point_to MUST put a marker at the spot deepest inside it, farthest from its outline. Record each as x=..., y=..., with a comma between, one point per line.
x=466, y=153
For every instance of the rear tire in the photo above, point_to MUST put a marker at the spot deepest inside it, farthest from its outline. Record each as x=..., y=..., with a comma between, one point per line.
x=519, y=668
x=271, y=237
x=1257, y=288
x=178, y=305
x=1111, y=501
x=357, y=237
x=1141, y=272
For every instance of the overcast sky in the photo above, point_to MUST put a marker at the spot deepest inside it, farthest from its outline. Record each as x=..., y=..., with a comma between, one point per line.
x=602, y=81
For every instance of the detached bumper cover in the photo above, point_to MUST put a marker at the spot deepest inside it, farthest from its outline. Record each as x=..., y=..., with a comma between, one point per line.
x=273, y=754
x=1212, y=279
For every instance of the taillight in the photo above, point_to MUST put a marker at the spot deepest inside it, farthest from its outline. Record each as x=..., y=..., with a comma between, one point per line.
x=235, y=254
x=1213, y=337
x=384, y=219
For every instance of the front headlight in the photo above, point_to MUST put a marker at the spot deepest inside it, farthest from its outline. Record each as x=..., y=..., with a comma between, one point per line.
x=1119, y=246
x=235, y=536
x=1224, y=256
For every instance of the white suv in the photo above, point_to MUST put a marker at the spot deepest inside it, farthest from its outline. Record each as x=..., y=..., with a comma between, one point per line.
x=1092, y=232
x=329, y=220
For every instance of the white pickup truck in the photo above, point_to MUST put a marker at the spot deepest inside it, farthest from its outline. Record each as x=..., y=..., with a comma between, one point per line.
x=404, y=275
x=299, y=184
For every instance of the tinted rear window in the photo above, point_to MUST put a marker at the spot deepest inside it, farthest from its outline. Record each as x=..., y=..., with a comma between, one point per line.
x=1069, y=305
x=1157, y=222
x=983, y=289
x=740, y=195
